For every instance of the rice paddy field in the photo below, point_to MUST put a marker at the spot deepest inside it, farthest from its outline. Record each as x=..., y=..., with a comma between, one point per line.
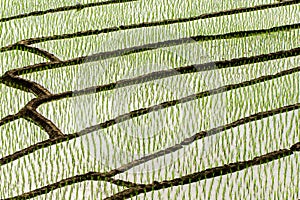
x=135, y=99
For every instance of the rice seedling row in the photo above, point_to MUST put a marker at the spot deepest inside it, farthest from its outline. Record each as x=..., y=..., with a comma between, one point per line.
x=208, y=173
x=64, y=8
x=145, y=24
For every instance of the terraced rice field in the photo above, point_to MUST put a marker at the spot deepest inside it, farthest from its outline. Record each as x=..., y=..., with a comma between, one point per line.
x=135, y=99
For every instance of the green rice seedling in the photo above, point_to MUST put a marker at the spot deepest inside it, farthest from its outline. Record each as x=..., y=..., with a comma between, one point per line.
x=238, y=107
